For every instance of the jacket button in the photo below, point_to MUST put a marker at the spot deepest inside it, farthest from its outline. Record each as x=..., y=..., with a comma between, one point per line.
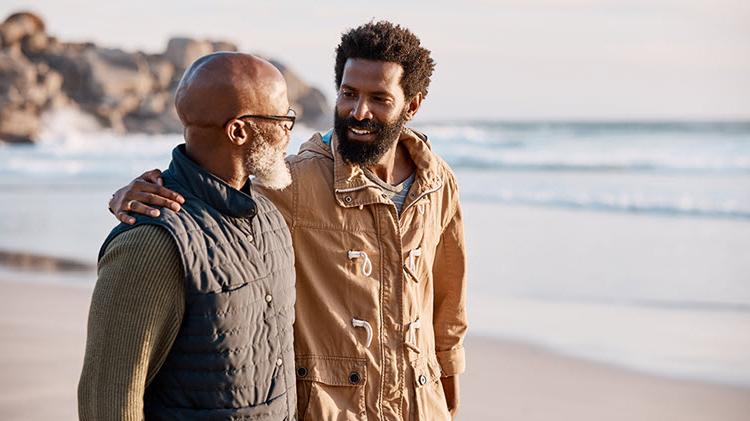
x=250, y=238
x=422, y=379
x=354, y=377
x=269, y=298
x=348, y=199
x=384, y=195
x=279, y=362
x=301, y=372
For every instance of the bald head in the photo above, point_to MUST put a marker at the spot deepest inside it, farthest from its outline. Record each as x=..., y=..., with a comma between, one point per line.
x=224, y=85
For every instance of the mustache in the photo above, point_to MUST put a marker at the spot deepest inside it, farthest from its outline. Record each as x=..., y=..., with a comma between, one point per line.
x=368, y=124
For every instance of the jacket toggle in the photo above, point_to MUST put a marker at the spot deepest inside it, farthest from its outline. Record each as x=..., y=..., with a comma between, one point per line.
x=366, y=267
x=411, y=336
x=366, y=326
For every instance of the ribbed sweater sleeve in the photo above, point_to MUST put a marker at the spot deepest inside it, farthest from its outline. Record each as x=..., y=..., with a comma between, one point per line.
x=135, y=314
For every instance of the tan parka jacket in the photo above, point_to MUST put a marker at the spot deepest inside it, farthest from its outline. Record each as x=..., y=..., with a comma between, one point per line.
x=380, y=312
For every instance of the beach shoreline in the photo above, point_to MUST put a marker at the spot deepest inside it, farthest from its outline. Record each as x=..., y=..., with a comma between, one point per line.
x=43, y=328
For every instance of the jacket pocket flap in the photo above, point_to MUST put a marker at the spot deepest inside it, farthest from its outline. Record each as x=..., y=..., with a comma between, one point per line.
x=426, y=371
x=333, y=371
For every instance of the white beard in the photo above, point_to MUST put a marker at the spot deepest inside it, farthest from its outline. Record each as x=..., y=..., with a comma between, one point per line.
x=268, y=166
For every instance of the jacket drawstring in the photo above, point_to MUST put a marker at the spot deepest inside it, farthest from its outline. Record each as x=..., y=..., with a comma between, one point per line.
x=366, y=264
x=366, y=326
x=411, y=336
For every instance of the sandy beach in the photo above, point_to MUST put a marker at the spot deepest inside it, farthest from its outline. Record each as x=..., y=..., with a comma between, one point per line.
x=43, y=321
x=512, y=381
x=42, y=332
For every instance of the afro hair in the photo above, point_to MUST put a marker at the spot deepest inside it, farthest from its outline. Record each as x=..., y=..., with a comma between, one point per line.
x=384, y=41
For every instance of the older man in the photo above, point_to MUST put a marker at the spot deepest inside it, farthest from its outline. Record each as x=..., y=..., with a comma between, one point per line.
x=192, y=313
x=378, y=237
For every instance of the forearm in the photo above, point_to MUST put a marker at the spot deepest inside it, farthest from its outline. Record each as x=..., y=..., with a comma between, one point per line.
x=135, y=314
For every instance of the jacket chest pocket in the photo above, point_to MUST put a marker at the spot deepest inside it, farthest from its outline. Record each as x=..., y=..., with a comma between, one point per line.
x=331, y=388
x=428, y=401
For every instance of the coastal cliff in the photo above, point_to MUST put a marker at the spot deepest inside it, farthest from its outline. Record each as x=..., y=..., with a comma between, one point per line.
x=128, y=92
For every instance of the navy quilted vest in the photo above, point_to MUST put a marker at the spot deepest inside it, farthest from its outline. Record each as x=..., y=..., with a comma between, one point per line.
x=233, y=358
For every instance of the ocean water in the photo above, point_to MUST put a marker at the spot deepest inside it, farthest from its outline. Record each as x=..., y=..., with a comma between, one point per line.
x=694, y=169
x=660, y=168
x=686, y=319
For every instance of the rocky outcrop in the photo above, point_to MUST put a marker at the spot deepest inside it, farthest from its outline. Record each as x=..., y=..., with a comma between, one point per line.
x=124, y=91
x=309, y=102
x=26, y=88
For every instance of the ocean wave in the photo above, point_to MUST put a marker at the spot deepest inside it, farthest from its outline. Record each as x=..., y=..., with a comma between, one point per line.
x=598, y=164
x=604, y=147
x=697, y=170
x=618, y=203
x=595, y=127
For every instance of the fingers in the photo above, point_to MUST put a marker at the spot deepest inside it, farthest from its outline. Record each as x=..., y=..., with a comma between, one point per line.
x=110, y=205
x=174, y=199
x=153, y=176
x=116, y=203
x=148, y=189
x=138, y=207
x=123, y=217
x=155, y=200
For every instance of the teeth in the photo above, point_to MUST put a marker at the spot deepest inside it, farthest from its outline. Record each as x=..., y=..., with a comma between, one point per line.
x=359, y=132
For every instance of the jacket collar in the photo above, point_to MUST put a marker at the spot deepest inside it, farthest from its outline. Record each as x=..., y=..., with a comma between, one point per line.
x=352, y=188
x=211, y=189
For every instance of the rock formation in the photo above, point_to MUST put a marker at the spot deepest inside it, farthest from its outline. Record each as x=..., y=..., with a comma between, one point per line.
x=125, y=91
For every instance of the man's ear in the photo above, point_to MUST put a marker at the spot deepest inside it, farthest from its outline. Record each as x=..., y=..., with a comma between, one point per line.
x=413, y=106
x=238, y=132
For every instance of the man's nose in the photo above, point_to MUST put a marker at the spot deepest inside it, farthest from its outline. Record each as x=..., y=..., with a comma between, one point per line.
x=361, y=110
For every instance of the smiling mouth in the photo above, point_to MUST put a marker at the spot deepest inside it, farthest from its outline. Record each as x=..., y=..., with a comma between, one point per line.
x=361, y=132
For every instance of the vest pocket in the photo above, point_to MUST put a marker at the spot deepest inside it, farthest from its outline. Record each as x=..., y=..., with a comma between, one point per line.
x=275, y=409
x=331, y=388
x=429, y=398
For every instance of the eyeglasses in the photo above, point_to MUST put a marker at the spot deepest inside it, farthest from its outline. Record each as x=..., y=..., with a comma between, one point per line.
x=288, y=119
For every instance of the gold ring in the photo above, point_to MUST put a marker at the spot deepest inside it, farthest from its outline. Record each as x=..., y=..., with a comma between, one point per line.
x=130, y=204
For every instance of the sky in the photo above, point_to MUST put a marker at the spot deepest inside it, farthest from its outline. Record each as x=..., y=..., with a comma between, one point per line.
x=502, y=59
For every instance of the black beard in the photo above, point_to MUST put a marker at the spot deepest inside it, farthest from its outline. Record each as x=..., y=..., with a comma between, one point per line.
x=366, y=153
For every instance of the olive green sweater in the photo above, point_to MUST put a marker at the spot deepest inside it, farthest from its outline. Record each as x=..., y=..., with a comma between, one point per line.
x=136, y=312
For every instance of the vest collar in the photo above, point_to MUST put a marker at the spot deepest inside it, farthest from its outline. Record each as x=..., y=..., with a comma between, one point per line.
x=210, y=188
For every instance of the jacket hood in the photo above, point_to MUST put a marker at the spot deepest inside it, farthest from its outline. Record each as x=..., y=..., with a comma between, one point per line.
x=315, y=145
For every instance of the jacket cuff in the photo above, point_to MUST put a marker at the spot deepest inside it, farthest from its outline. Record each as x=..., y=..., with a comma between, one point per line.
x=452, y=361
